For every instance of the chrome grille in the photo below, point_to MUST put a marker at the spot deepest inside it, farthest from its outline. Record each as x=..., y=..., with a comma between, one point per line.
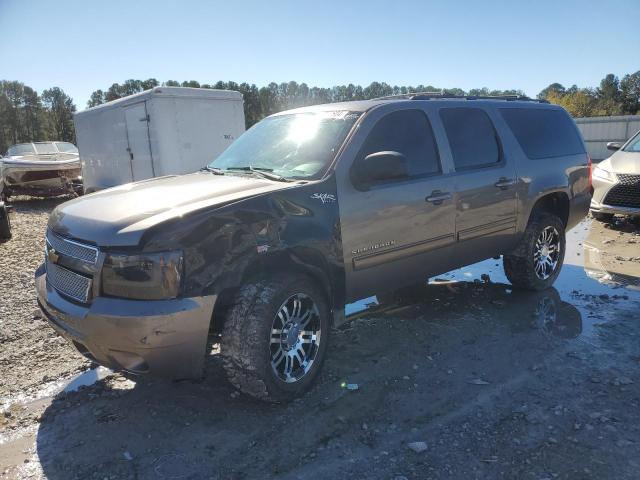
x=628, y=179
x=68, y=283
x=624, y=194
x=70, y=248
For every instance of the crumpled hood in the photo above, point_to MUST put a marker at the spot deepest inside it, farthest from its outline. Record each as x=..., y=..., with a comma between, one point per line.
x=622, y=162
x=119, y=216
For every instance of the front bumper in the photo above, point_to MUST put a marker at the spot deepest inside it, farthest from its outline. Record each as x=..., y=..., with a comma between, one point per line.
x=166, y=338
x=601, y=189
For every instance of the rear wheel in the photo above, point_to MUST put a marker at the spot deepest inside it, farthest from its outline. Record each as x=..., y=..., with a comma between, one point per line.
x=602, y=217
x=275, y=337
x=537, y=261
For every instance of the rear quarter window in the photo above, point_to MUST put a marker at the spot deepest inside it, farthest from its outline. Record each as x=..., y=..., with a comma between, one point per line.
x=543, y=133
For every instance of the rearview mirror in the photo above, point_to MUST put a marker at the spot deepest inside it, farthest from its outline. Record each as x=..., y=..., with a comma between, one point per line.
x=379, y=167
x=614, y=146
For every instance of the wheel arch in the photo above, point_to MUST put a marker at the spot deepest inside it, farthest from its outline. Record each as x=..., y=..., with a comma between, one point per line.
x=556, y=202
x=303, y=261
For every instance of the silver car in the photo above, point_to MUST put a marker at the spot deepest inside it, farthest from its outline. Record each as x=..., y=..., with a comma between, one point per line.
x=616, y=181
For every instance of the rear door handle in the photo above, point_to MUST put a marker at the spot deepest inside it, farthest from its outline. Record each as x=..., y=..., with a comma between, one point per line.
x=437, y=197
x=503, y=183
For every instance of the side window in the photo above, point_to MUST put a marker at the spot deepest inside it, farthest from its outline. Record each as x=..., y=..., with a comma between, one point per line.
x=408, y=132
x=543, y=132
x=472, y=137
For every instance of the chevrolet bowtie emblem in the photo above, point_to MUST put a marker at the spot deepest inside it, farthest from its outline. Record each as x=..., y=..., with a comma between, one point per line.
x=52, y=255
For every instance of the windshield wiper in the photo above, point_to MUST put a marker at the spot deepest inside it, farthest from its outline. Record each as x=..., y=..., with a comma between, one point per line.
x=263, y=172
x=214, y=170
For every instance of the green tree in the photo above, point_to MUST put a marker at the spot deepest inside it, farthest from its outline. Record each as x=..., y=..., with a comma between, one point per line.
x=579, y=104
x=555, y=88
x=97, y=98
x=60, y=110
x=609, y=89
x=630, y=93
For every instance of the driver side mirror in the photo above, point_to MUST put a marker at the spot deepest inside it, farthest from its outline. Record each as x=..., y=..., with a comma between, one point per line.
x=614, y=146
x=379, y=167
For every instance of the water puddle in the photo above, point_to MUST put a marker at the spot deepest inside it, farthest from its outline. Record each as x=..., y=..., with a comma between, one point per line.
x=599, y=279
x=87, y=378
x=51, y=389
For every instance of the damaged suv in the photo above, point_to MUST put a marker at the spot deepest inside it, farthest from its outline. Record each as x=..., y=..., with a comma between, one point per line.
x=307, y=211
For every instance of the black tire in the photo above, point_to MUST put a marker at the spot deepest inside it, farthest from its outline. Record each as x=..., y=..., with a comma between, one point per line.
x=520, y=266
x=5, y=223
x=603, y=217
x=247, y=337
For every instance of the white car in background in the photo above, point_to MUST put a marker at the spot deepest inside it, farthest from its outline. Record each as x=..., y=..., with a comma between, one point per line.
x=616, y=181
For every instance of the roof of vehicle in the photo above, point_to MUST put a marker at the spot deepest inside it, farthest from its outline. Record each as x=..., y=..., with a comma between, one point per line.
x=168, y=92
x=364, y=105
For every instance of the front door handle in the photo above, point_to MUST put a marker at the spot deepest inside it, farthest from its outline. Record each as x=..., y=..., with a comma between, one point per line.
x=437, y=197
x=503, y=183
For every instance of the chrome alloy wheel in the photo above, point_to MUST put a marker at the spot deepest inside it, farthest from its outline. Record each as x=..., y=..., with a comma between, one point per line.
x=547, y=252
x=295, y=338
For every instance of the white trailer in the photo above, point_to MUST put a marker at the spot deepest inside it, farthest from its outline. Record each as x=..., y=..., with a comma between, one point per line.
x=162, y=131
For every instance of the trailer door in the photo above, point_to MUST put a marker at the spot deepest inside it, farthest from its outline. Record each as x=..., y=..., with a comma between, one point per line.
x=139, y=148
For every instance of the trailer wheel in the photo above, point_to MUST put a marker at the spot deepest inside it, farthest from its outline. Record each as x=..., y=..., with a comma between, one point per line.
x=5, y=223
x=275, y=337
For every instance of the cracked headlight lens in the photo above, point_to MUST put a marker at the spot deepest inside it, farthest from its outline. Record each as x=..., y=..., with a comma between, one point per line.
x=143, y=277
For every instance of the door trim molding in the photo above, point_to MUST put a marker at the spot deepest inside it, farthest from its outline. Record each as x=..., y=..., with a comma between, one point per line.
x=504, y=225
x=404, y=251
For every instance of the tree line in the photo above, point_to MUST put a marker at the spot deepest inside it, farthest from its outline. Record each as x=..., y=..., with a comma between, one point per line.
x=27, y=116
x=613, y=96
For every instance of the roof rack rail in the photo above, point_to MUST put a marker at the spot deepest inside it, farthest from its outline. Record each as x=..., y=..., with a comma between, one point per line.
x=438, y=95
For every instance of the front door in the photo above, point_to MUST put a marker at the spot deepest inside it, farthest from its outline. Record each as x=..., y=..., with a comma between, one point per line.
x=138, y=137
x=396, y=232
x=485, y=184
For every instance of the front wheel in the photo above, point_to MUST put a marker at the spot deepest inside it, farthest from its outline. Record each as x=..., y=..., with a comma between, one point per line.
x=275, y=337
x=537, y=261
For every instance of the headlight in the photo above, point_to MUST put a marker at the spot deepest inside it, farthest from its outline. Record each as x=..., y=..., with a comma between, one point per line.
x=142, y=277
x=602, y=174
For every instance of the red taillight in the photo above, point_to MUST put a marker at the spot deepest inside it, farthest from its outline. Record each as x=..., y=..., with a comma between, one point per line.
x=590, y=165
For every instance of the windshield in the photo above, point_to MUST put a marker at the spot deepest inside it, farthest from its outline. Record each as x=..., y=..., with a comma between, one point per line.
x=21, y=149
x=45, y=148
x=634, y=146
x=298, y=145
x=65, y=147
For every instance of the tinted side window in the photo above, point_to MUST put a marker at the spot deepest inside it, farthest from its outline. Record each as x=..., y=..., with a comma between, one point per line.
x=543, y=133
x=408, y=132
x=472, y=137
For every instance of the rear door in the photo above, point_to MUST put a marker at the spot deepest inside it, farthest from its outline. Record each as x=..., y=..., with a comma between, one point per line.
x=485, y=184
x=139, y=148
x=396, y=232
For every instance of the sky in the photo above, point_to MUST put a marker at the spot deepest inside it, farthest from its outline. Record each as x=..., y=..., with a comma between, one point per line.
x=84, y=45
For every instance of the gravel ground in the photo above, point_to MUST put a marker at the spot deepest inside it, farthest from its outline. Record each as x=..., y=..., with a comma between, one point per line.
x=464, y=378
x=31, y=353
